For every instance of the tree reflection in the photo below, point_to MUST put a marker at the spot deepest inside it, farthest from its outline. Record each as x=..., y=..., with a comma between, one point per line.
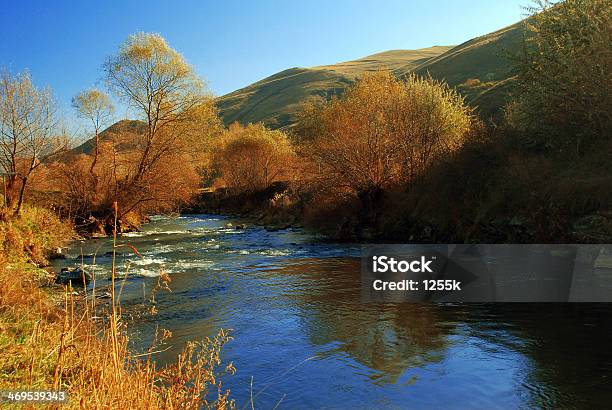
x=568, y=345
x=387, y=338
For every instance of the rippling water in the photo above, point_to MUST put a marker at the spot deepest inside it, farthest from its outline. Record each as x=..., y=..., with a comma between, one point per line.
x=304, y=336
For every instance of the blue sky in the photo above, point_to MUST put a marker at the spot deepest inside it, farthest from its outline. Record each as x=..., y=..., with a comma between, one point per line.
x=231, y=43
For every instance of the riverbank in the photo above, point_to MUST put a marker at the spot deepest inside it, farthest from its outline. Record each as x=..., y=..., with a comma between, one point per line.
x=53, y=338
x=269, y=208
x=497, y=189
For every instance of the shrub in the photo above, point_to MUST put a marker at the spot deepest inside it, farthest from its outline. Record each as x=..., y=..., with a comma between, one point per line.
x=168, y=182
x=251, y=158
x=382, y=133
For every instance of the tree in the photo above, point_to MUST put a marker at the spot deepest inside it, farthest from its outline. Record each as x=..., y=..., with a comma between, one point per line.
x=383, y=132
x=28, y=132
x=563, y=100
x=157, y=82
x=159, y=85
x=199, y=135
x=251, y=158
x=94, y=106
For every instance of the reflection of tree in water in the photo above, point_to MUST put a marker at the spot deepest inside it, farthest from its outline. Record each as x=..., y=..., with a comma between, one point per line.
x=386, y=338
x=569, y=346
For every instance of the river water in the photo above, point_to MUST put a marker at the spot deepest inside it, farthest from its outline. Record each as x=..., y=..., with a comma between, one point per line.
x=305, y=339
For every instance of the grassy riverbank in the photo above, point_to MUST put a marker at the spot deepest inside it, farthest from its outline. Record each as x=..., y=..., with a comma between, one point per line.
x=52, y=338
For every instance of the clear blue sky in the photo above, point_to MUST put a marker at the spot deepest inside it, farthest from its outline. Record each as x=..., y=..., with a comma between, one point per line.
x=231, y=43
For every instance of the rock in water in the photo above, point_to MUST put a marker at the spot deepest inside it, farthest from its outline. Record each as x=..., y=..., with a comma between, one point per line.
x=74, y=276
x=57, y=253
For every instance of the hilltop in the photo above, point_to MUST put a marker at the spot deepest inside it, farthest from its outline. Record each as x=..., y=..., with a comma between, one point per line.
x=479, y=68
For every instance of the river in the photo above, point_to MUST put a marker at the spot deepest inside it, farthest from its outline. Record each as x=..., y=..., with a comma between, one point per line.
x=304, y=337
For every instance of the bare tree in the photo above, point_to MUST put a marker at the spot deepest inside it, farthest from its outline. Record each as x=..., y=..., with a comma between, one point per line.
x=28, y=135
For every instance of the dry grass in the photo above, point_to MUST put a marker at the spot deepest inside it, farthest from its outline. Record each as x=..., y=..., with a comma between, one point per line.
x=29, y=237
x=50, y=340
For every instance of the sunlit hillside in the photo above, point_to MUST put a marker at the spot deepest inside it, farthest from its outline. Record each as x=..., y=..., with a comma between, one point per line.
x=122, y=126
x=480, y=68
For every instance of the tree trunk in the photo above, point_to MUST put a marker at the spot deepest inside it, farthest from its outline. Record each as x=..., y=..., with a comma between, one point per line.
x=370, y=199
x=10, y=191
x=24, y=180
x=94, y=177
x=95, y=158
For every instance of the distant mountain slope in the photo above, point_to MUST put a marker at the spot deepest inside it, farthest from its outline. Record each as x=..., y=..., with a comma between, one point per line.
x=393, y=60
x=122, y=126
x=486, y=59
x=479, y=68
x=276, y=99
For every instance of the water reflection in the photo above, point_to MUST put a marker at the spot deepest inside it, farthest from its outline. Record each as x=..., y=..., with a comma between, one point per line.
x=568, y=345
x=386, y=338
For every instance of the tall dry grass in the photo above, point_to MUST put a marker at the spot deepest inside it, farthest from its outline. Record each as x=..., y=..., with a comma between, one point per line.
x=51, y=339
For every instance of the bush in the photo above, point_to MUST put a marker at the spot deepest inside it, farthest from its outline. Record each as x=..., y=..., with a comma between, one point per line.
x=251, y=158
x=495, y=190
x=167, y=184
x=384, y=132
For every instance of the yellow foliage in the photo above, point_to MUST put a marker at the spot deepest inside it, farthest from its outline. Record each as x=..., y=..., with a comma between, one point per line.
x=251, y=158
x=384, y=131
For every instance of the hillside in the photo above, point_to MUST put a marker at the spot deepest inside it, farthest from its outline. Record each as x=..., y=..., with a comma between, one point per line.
x=276, y=99
x=483, y=61
x=120, y=127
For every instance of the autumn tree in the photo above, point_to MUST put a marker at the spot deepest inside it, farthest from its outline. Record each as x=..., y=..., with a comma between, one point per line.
x=29, y=134
x=94, y=106
x=250, y=158
x=563, y=101
x=163, y=90
x=383, y=132
x=156, y=81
